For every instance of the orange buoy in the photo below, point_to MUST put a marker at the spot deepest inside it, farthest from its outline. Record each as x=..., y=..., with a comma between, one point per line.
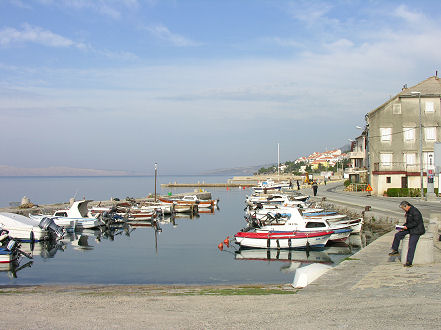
x=227, y=241
x=220, y=246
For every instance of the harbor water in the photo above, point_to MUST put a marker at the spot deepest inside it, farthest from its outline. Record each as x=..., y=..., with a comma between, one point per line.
x=185, y=252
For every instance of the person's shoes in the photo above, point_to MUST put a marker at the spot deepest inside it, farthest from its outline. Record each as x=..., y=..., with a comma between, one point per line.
x=407, y=264
x=394, y=253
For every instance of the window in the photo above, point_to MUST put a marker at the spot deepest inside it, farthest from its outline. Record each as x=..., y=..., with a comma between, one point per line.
x=430, y=107
x=386, y=134
x=388, y=179
x=386, y=159
x=396, y=110
x=428, y=159
x=430, y=133
x=409, y=133
x=410, y=159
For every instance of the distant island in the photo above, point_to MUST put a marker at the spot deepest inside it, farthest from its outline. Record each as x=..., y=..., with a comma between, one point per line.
x=71, y=171
x=59, y=171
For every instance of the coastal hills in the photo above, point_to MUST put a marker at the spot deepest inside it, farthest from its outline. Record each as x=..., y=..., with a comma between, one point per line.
x=58, y=171
x=70, y=171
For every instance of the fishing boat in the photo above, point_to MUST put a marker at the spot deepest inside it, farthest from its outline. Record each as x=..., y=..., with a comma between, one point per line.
x=191, y=200
x=77, y=216
x=283, y=240
x=294, y=222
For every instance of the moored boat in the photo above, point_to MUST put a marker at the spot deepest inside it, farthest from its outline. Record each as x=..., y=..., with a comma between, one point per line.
x=23, y=228
x=283, y=240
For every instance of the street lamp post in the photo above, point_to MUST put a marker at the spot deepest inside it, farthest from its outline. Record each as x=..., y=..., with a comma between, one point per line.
x=421, y=144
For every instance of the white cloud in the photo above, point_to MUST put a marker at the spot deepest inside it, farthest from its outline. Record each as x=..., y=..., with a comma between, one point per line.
x=412, y=17
x=35, y=34
x=309, y=12
x=162, y=32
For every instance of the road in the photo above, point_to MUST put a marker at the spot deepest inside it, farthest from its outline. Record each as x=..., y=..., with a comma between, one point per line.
x=334, y=192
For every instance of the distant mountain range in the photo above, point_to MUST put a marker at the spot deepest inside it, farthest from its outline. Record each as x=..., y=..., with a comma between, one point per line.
x=70, y=171
x=59, y=171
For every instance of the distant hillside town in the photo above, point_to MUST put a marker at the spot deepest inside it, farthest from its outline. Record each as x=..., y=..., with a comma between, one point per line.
x=326, y=163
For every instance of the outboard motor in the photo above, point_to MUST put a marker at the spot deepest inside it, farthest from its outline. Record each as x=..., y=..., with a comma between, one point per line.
x=49, y=225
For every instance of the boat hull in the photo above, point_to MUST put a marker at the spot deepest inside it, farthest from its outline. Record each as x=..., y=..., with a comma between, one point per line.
x=22, y=228
x=284, y=240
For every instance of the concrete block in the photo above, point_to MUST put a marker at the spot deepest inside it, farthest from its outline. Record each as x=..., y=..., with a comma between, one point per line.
x=423, y=251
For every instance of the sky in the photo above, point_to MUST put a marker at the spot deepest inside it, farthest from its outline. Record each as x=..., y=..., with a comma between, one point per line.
x=196, y=85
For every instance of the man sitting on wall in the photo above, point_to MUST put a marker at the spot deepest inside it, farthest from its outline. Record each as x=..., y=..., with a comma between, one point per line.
x=414, y=226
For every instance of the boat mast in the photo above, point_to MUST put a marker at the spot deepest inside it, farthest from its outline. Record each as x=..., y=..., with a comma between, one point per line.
x=278, y=160
x=156, y=171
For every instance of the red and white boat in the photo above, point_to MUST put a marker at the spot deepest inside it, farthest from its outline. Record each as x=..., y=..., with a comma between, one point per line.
x=191, y=200
x=283, y=240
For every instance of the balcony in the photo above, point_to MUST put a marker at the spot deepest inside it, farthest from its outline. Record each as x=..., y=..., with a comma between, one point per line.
x=396, y=167
x=356, y=154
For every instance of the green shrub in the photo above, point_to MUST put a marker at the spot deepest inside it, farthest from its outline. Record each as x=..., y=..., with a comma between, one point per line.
x=347, y=182
x=403, y=192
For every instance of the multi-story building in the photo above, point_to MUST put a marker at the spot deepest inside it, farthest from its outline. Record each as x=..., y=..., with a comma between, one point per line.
x=357, y=171
x=394, y=131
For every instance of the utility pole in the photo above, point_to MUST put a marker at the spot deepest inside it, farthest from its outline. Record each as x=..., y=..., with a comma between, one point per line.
x=421, y=146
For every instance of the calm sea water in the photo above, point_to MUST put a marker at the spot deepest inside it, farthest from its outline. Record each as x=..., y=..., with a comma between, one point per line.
x=185, y=252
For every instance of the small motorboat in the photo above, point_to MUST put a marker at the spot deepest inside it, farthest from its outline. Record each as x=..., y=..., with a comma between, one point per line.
x=77, y=216
x=27, y=229
x=270, y=185
x=283, y=240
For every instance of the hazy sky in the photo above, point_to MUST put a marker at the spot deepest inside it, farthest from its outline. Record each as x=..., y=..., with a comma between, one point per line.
x=199, y=84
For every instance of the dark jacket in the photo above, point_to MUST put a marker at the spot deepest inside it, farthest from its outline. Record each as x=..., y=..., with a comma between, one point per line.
x=414, y=221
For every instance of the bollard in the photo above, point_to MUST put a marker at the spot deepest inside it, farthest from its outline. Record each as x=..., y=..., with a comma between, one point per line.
x=423, y=251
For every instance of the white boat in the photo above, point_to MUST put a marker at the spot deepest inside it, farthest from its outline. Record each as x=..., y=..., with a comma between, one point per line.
x=281, y=199
x=296, y=222
x=283, y=240
x=23, y=228
x=270, y=185
x=77, y=216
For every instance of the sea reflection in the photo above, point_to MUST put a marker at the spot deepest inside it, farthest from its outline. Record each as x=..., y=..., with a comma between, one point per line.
x=332, y=254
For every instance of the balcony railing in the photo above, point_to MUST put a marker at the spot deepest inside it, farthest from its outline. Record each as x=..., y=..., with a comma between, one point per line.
x=356, y=154
x=396, y=166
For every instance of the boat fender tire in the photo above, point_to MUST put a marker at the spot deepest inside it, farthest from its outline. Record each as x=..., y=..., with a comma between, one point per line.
x=268, y=242
x=278, y=244
x=289, y=242
x=32, y=236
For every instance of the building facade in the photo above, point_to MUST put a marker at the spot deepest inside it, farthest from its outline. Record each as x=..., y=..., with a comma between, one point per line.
x=357, y=171
x=401, y=133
